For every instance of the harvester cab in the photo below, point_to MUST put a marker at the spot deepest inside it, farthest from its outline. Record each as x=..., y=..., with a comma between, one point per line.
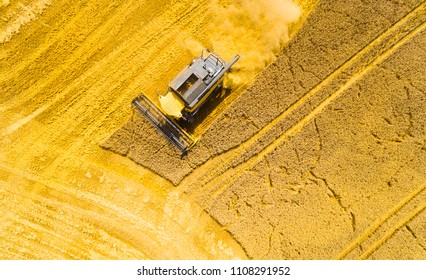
x=186, y=94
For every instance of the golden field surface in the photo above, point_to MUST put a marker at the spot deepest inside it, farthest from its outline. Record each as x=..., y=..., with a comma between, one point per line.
x=317, y=151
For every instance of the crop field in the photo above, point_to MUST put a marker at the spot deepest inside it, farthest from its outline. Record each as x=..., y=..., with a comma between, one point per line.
x=316, y=150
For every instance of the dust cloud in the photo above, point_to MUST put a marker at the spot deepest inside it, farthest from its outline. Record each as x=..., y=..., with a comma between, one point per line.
x=256, y=30
x=13, y=21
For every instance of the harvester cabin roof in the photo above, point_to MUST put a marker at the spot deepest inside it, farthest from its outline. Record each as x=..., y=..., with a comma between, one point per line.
x=195, y=79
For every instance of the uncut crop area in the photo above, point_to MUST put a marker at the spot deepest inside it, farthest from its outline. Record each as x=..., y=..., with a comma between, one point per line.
x=317, y=151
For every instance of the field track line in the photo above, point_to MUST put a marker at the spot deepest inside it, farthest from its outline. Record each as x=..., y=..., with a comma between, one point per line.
x=83, y=51
x=120, y=223
x=75, y=83
x=91, y=201
x=29, y=218
x=239, y=169
x=392, y=39
x=390, y=233
x=67, y=63
x=379, y=222
x=42, y=49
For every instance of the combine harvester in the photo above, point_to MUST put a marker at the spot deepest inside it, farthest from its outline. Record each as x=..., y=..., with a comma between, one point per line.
x=187, y=92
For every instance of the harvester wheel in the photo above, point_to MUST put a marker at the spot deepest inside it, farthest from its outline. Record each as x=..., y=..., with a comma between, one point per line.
x=187, y=117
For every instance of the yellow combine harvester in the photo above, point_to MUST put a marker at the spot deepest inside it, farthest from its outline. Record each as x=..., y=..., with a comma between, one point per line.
x=186, y=94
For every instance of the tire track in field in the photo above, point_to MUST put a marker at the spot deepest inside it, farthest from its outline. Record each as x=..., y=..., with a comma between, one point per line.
x=40, y=221
x=392, y=231
x=71, y=113
x=48, y=206
x=43, y=49
x=218, y=172
x=97, y=73
x=85, y=51
x=125, y=48
x=40, y=226
x=37, y=89
x=381, y=221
